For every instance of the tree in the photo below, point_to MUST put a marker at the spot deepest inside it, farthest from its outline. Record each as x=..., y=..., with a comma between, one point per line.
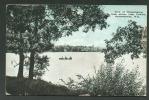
x=50, y=22
x=42, y=33
x=126, y=40
x=22, y=37
x=62, y=21
x=16, y=25
x=41, y=64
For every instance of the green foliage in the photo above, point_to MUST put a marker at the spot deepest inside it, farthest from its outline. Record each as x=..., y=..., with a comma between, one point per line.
x=126, y=40
x=32, y=28
x=50, y=22
x=110, y=81
x=17, y=20
x=70, y=84
x=41, y=64
x=71, y=17
x=26, y=28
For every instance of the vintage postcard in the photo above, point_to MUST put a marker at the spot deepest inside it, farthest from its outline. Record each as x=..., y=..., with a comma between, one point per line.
x=76, y=50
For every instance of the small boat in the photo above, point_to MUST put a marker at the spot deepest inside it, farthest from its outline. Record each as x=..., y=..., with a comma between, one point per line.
x=65, y=58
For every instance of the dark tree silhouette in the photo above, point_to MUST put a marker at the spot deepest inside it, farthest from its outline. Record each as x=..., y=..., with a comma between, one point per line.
x=16, y=25
x=126, y=40
x=62, y=20
x=50, y=22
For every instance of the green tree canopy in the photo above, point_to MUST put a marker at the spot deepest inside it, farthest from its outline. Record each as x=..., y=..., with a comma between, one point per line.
x=42, y=24
x=124, y=41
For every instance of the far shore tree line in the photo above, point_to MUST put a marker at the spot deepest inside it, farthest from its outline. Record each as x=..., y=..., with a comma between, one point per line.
x=32, y=28
x=69, y=48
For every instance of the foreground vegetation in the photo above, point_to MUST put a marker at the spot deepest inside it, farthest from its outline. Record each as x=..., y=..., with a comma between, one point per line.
x=110, y=81
x=16, y=86
x=107, y=81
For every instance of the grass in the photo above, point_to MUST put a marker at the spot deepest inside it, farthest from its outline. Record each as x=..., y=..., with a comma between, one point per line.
x=25, y=86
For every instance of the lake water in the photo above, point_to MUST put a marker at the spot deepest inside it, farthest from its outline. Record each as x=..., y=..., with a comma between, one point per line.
x=82, y=63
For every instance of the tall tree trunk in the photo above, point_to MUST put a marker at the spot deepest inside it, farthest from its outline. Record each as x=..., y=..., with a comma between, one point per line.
x=21, y=62
x=32, y=61
x=32, y=55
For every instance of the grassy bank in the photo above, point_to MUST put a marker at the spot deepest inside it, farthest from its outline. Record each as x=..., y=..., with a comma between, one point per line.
x=25, y=86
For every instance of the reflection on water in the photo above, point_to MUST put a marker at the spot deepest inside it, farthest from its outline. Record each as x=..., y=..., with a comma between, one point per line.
x=69, y=64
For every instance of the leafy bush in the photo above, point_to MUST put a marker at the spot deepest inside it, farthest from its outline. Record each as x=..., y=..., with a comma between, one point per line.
x=110, y=81
x=40, y=66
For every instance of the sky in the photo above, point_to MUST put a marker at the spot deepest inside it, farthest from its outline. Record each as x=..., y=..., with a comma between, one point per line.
x=97, y=38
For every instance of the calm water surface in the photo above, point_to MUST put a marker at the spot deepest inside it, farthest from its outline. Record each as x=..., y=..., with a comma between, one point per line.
x=82, y=63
